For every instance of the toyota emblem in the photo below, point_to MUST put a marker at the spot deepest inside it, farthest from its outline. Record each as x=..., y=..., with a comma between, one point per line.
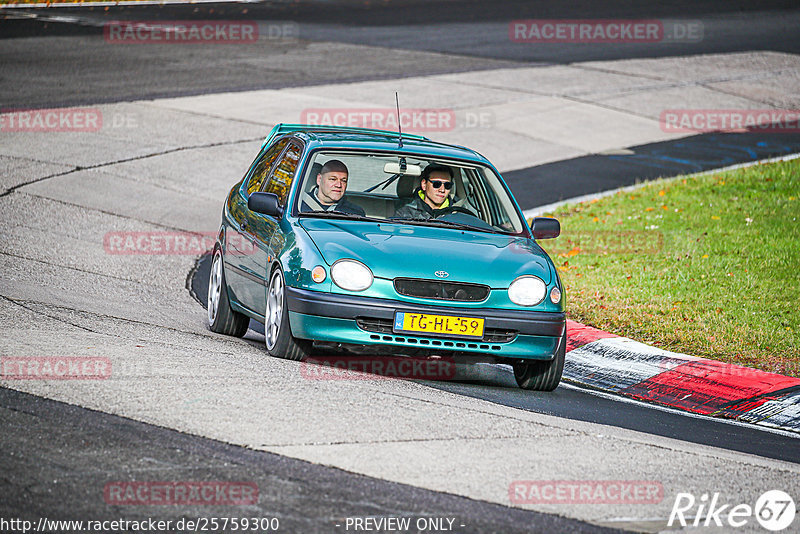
x=442, y=274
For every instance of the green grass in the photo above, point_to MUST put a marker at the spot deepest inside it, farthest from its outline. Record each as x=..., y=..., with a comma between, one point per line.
x=704, y=265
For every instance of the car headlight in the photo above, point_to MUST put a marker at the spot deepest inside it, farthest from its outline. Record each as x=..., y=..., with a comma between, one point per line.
x=351, y=275
x=527, y=290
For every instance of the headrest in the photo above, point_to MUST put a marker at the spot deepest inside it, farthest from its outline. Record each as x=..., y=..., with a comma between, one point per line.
x=406, y=185
x=312, y=177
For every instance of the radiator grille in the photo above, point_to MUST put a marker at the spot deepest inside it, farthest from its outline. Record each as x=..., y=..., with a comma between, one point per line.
x=439, y=290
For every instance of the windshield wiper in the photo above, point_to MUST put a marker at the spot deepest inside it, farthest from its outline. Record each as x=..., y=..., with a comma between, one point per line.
x=386, y=183
x=338, y=214
x=440, y=222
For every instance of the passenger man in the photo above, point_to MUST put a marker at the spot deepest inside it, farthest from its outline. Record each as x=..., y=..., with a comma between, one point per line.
x=328, y=195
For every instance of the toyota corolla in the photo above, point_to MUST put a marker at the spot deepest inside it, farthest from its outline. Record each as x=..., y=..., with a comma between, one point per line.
x=361, y=240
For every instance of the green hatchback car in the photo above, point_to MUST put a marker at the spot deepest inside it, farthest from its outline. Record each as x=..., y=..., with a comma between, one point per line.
x=349, y=239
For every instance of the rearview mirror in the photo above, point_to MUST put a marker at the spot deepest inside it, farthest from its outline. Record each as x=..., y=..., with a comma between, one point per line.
x=545, y=228
x=409, y=170
x=265, y=203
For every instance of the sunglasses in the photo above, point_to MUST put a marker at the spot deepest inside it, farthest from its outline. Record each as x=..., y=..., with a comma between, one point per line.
x=439, y=183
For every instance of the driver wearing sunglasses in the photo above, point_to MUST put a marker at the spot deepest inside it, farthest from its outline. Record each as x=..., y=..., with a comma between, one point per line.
x=433, y=196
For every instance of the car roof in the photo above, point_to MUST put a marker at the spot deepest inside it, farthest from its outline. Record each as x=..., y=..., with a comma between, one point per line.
x=368, y=139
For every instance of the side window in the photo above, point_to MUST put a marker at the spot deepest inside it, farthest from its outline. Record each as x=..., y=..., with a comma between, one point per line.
x=281, y=178
x=256, y=179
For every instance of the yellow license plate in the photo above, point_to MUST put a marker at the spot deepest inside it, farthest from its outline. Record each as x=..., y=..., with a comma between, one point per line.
x=441, y=325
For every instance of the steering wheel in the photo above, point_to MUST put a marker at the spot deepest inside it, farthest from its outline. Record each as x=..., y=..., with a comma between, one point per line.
x=457, y=209
x=458, y=214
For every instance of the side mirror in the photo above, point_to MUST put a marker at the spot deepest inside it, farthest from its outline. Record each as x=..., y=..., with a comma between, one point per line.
x=265, y=203
x=545, y=228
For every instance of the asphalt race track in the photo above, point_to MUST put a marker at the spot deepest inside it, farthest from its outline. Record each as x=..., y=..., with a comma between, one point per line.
x=184, y=404
x=390, y=39
x=306, y=497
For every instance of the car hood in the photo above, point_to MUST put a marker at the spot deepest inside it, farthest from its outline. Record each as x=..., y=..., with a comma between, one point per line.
x=403, y=250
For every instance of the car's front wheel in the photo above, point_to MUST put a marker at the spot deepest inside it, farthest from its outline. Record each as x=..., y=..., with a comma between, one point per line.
x=277, y=333
x=221, y=318
x=539, y=375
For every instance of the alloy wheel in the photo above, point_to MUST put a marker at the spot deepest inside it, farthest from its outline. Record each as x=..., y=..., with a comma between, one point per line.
x=272, y=329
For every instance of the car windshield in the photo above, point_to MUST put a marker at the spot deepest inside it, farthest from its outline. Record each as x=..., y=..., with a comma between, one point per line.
x=407, y=189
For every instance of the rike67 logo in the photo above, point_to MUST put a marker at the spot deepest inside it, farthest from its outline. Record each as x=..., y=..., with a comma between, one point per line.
x=774, y=510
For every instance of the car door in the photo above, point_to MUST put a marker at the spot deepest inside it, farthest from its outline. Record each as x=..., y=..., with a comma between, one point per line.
x=262, y=227
x=244, y=282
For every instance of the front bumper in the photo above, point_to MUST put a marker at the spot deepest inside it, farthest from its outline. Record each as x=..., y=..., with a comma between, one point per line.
x=350, y=319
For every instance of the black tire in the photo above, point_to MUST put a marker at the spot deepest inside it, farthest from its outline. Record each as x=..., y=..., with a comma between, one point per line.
x=277, y=333
x=221, y=318
x=542, y=375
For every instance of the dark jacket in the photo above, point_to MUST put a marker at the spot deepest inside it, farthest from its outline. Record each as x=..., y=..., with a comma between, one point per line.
x=310, y=202
x=419, y=209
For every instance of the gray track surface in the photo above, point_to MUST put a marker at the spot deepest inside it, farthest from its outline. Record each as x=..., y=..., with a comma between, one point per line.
x=342, y=41
x=42, y=477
